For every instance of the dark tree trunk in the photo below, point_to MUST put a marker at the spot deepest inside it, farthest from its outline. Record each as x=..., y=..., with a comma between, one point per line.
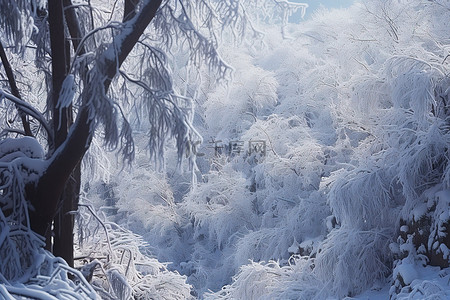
x=42, y=216
x=59, y=68
x=63, y=222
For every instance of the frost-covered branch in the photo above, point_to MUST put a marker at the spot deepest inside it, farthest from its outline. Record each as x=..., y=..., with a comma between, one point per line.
x=14, y=89
x=28, y=109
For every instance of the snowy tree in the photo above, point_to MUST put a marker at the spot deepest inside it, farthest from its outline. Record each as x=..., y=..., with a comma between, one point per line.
x=361, y=161
x=82, y=70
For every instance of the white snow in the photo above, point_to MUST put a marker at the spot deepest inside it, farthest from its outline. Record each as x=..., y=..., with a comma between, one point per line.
x=352, y=115
x=407, y=271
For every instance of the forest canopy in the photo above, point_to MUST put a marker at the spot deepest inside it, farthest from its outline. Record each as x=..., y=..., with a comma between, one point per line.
x=213, y=149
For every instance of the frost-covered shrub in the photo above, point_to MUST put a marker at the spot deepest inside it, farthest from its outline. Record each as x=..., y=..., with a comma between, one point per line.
x=354, y=113
x=270, y=281
x=385, y=153
x=350, y=260
x=221, y=207
x=220, y=211
x=26, y=269
x=120, y=266
x=231, y=110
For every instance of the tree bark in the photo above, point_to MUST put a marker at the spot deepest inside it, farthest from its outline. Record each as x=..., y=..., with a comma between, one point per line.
x=59, y=68
x=74, y=27
x=64, y=221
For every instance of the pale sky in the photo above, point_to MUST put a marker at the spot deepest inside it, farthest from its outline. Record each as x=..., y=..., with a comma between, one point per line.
x=314, y=4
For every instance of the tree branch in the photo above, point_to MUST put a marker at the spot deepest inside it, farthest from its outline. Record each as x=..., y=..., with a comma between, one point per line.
x=129, y=9
x=14, y=90
x=74, y=27
x=131, y=32
x=29, y=110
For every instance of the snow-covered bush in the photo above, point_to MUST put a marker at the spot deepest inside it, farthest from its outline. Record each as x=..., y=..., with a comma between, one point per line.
x=372, y=96
x=118, y=263
x=354, y=181
x=26, y=269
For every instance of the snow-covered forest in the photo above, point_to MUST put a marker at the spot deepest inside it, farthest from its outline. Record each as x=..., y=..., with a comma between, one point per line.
x=220, y=150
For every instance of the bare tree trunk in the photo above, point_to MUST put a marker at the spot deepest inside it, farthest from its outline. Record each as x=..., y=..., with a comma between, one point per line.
x=64, y=221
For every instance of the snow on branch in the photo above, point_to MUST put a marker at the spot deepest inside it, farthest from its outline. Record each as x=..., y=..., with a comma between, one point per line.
x=17, y=20
x=26, y=269
x=29, y=110
x=124, y=269
x=234, y=15
x=201, y=46
x=349, y=259
x=167, y=115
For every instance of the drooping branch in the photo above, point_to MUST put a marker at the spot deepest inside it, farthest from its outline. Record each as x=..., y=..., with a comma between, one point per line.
x=29, y=110
x=14, y=90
